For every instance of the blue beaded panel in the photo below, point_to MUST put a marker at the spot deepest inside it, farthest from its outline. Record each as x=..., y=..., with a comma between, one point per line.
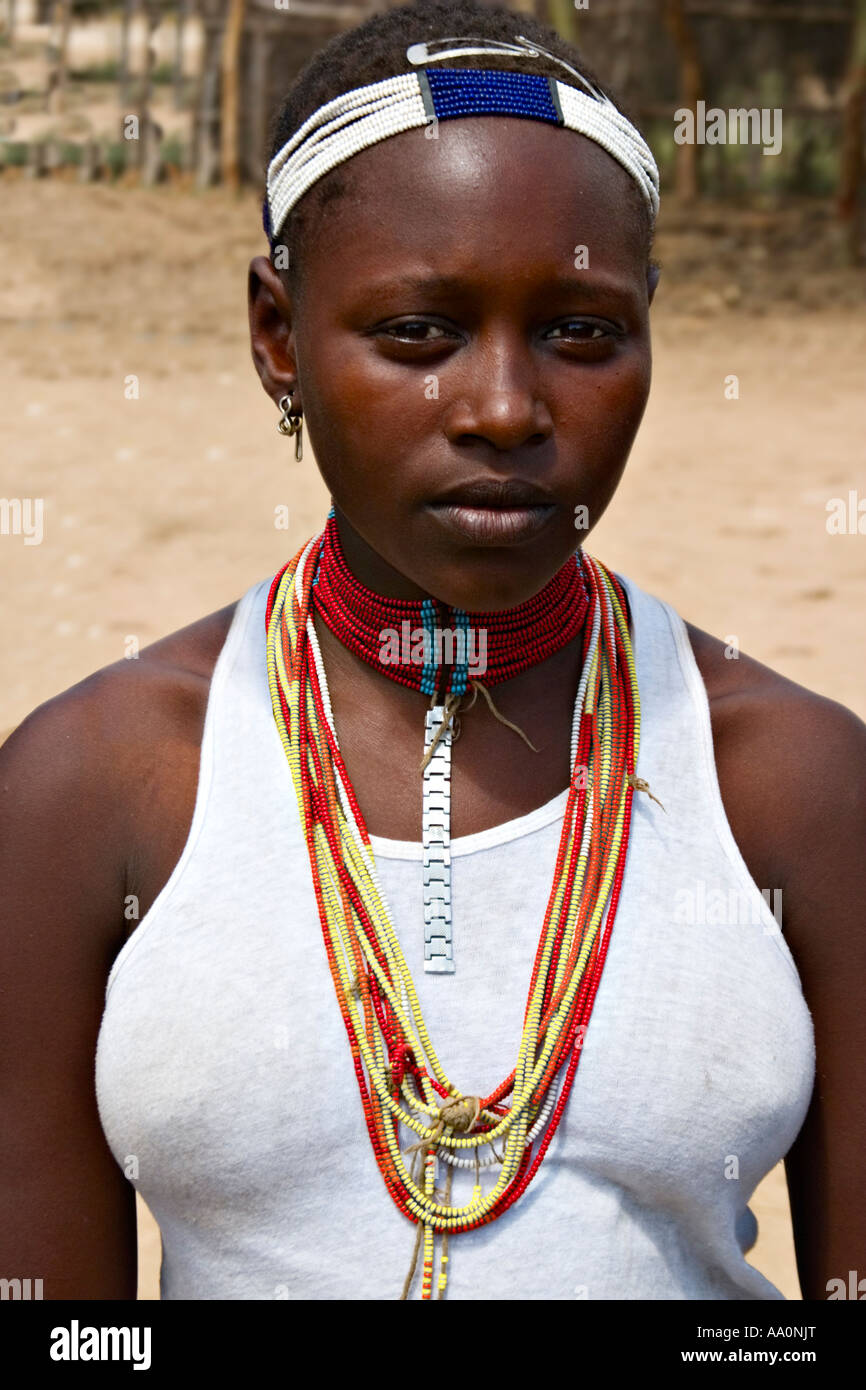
x=460, y=674
x=480, y=92
x=428, y=674
x=321, y=548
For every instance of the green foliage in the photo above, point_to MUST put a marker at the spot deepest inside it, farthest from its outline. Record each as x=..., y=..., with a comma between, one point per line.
x=809, y=161
x=110, y=72
x=97, y=72
x=174, y=151
x=115, y=157
x=13, y=153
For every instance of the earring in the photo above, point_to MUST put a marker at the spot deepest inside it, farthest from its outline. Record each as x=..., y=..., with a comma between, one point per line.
x=292, y=423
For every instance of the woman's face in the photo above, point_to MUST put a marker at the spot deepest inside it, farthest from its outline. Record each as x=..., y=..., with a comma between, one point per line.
x=474, y=311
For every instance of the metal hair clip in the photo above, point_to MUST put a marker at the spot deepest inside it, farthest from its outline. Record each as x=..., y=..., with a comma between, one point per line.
x=420, y=53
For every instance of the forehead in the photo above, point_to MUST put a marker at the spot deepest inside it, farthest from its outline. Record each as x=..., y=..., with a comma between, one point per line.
x=493, y=191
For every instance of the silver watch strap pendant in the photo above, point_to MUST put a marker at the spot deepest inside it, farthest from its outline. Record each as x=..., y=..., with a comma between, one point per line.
x=436, y=831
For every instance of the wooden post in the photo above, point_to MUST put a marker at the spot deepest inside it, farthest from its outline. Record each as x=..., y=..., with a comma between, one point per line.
x=35, y=166
x=149, y=132
x=562, y=18
x=691, y=90
x=850, y=198
x=126, y=14
x=182, y=12
x=89, y=166
x=61, y=19
x=206, y=157
x=255, y=155
x=229, y=65
x=142, y=96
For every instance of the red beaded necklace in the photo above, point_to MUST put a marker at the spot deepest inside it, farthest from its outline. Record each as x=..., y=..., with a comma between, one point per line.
x=395, y=635
x=400, y=1077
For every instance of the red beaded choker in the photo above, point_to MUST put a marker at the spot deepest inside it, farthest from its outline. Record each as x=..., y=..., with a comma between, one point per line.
x=434, y=648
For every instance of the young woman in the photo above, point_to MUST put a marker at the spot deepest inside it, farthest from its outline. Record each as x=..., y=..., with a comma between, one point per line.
x=362, y=1029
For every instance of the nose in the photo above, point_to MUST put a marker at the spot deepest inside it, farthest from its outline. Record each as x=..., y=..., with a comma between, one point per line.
x=496, y=397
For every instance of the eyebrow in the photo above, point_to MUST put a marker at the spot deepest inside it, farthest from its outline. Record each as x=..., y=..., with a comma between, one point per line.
x=592, y=291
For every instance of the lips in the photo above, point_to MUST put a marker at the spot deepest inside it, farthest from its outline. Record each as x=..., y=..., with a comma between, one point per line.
x=506, y=493
x=494, y=512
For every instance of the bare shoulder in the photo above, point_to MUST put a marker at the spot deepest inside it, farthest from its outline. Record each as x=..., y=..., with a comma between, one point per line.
x=118, y=707
x=792, y=772
x=806, y=738
x=121, y=747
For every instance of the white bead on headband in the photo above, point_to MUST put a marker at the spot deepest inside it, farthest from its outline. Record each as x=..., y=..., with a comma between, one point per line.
x=366, y=115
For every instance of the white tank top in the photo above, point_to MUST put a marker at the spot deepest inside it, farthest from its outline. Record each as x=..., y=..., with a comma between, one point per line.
x=224, y=1078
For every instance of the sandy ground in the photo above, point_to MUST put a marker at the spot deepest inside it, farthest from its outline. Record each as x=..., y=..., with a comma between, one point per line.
x=160, y=509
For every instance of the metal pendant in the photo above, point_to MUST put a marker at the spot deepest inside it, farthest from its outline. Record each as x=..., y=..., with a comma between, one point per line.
x=436, y=831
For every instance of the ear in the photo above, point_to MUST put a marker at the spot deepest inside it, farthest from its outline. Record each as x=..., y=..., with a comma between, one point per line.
x=653, y=273
x=271, y=337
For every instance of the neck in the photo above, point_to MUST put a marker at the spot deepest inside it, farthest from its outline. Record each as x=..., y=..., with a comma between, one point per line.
x=368, y=566
x=425, y=644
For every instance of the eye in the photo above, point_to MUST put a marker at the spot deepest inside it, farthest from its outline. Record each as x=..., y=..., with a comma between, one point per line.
x=406, y=332
x=590, y=332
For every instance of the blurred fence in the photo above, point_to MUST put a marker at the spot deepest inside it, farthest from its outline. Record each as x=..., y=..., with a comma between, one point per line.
x=186, y=89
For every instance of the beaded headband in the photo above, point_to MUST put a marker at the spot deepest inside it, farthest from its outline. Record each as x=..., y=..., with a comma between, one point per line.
x=366, y=115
